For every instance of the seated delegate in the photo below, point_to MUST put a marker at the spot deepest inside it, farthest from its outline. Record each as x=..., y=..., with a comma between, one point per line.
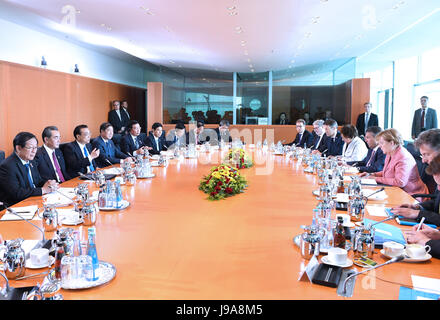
x=354, y=148
x=375, y=158
x=19, y=175
x=427, y=209
x=400, y=168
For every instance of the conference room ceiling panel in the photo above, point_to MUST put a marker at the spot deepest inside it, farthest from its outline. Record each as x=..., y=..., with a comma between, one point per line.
x=230, y=35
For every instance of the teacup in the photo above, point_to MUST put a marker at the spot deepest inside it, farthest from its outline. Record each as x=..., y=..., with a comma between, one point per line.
x=417, y=251
x=393, y=249
x=337, y=255
x=39, y=257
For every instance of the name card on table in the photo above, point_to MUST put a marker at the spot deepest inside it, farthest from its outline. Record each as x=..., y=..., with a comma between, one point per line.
x=27, y=213
x=309, y=270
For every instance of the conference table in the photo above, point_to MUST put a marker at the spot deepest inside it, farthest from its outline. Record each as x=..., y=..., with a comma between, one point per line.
x=172, y=243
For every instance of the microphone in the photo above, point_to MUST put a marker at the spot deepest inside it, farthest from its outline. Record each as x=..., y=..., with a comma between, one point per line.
x=7, y=289
x=393, y=216
x=377, y=191
x=395, y=259
x=43, y=242
x=83, y=175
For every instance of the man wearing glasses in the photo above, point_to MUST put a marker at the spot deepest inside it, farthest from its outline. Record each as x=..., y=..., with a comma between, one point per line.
x=19, y=176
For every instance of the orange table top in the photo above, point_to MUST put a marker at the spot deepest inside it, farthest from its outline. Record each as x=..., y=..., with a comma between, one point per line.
x=172, y=243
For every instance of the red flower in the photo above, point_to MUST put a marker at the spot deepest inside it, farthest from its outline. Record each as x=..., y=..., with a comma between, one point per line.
x=217, y=188
x=227, y=180
x=228, y=190
x=214, y=193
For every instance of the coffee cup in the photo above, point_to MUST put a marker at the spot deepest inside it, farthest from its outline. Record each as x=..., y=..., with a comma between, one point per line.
x=417, y=251
x=337, y=255
x=393, y=249
x=39, y=257
x=345, y=218
x=119, y=179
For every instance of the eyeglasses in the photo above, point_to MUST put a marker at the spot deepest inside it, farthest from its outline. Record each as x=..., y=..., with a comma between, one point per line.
x=31, y=148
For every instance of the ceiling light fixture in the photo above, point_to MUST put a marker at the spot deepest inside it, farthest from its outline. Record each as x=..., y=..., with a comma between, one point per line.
x=308, y=35
x=315, y=20
x=232, y=8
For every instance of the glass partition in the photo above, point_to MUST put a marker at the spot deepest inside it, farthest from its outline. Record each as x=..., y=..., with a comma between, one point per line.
x=252, y=100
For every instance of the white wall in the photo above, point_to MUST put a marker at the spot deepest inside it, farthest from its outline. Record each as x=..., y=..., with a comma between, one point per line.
x=23, y=45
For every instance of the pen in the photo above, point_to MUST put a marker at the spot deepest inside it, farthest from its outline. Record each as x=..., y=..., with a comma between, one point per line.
x=421, y=222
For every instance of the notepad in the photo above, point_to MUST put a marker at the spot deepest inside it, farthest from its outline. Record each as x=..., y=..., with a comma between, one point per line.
x=369, y=182
x=26, y=213
x=376, y=211
x=411, y=294
x=385, y=232
x=430, y=285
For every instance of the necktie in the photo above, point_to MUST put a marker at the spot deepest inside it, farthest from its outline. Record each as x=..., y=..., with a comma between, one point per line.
x=57, y=167
x=367, y=118
x=422, y=120
x=126, y=112
x=371, y=158
x=87, y=155
x=31, y=181
x=109, y=151
x=300, y=137
x=157, y=144
x=136, y=143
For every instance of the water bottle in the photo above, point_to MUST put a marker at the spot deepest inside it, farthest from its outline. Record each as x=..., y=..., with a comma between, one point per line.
x=118, y=193
x=91, y=251
x=102, y=197
x=111, y=195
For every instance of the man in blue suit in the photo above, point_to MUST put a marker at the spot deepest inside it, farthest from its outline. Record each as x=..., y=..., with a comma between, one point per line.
x=155, y=140
x=78, y=154
x=19, y=175
x=303, y=138
x=108, y=153
x=134, y=141
x=50, y=159
x=333, y=143
x=375, y=159
x=424, y=118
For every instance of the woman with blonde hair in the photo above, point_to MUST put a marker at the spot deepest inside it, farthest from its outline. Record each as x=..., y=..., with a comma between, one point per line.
x=400, y=168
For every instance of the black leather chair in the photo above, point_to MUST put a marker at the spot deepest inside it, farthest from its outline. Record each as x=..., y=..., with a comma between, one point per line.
x=117, y=138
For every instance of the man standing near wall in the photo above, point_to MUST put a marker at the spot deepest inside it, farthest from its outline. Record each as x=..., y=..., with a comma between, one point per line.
x=424, y=118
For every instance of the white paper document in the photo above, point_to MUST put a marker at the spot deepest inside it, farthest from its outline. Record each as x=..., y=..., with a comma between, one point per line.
x=376, y=211
x=370, y=182
x=25, y=212
x=425, y=284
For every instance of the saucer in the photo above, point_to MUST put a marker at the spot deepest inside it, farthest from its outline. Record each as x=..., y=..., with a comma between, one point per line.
x=349, y=225
x=408, y=259
x=315, y=193
x=154, y=163
x=125, y=205
x=326, y=260
x=146, y=177
x=29, y=264
x=69, y=222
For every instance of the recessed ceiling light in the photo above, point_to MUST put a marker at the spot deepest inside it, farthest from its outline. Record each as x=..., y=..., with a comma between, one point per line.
x=232, y=8
x=246, y=53
x=293, y=61
x=109, y=28
x=102, y=24
x=251, y=66
x=248, y=60
x=308, y=35
x=233, y=13
x=315, y=20
x=78, y=11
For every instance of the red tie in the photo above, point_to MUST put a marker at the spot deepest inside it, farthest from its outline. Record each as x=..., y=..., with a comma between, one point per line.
x=371, y=158
x=422, y=120
x=57, y=167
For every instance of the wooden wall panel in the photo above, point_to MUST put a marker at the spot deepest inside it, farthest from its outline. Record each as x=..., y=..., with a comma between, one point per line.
x=32, y=98
x=360, y=94
x=155, y=103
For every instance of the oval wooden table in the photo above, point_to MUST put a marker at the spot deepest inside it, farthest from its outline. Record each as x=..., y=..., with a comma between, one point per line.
x=172, y=243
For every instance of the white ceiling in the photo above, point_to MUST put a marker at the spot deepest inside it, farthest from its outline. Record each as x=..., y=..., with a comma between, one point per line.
x=233, y=35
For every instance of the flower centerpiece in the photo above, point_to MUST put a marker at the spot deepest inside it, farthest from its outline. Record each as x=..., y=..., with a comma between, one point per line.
x=239, y=158
x=222, y=182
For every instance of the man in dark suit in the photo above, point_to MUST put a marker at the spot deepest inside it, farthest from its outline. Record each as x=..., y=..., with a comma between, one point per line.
x=19, y=176
x=124, y=109
x=424, y=118
x=107, y=149
x=223, y=132
x=78, y=154
x=155, y=140
x=199, y=135
x=176, y=138
x=50, y=159
x=118, y=118
x=366, y=120
x=319, y=136
x=375, y=159
x=334, y=143
x=303, y=138
x=133, y=142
